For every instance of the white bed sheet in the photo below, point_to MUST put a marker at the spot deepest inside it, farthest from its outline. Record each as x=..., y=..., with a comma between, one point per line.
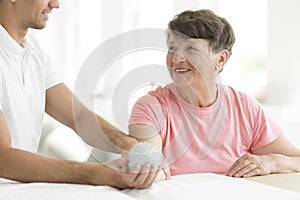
x=193, y=186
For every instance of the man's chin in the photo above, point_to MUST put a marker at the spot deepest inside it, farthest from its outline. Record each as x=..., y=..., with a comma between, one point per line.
x=38, y=26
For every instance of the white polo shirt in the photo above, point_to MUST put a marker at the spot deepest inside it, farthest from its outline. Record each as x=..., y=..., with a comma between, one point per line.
x=25, y=75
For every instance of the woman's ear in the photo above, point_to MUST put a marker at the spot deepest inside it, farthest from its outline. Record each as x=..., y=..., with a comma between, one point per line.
x=222, y=58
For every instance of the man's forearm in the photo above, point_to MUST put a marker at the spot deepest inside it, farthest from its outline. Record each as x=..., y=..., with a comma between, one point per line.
x=99, y=133
x=120, y=140
x=92, y=128
x=27, y=167
x=24, y=166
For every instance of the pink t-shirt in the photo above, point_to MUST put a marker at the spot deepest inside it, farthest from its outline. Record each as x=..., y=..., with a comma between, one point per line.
x=206, y=139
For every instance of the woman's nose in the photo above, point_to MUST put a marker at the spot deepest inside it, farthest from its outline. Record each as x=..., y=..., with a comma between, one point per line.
x=178, y=58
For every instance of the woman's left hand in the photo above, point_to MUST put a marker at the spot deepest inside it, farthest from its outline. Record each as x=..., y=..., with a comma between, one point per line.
x=252, y=165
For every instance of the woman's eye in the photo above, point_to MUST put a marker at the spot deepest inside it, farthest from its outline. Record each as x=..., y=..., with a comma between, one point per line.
x=172, y=49
x=191, y=48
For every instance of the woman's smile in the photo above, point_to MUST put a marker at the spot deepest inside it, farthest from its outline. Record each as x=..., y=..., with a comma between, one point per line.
x=182, y=70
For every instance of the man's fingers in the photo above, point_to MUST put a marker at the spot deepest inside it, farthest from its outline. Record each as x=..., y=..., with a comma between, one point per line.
x=143, y=175
x=151, y=176
x=131, y=176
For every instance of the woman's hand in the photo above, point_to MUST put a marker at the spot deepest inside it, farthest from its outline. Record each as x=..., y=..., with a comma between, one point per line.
x=252, y=165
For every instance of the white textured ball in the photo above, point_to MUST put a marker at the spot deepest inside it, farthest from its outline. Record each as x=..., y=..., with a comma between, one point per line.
x=144, y=153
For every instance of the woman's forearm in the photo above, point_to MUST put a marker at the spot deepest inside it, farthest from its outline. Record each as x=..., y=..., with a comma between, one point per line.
x=285, y=164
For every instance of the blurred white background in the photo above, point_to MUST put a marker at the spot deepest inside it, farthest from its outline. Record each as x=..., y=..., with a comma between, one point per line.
x=264, y=61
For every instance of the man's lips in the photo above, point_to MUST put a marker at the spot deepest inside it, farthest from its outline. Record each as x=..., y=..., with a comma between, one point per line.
x=46, y=13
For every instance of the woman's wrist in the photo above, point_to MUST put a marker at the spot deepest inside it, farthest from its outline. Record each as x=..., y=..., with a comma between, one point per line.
x=166, y=173
x=285, y=164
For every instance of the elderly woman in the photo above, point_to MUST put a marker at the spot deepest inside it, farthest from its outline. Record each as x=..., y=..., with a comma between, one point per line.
x=200, y=124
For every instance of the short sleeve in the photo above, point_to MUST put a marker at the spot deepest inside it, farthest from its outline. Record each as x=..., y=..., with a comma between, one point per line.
x=51, y=75
x=265, y=130
x=1, y=90
x=148, y=111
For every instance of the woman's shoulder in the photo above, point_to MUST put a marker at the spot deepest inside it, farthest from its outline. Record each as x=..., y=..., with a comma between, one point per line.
x=161, y=95
x=231, y=91
x=236, y=96
x=163, y=91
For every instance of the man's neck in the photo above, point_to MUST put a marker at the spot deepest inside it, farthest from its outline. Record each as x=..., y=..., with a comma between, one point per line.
x=13, y=28
x=17, y=34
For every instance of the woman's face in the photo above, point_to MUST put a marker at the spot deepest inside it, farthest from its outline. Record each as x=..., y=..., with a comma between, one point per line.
x=190, y=61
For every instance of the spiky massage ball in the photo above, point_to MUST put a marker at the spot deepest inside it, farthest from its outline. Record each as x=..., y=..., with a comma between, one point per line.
x=144, y=153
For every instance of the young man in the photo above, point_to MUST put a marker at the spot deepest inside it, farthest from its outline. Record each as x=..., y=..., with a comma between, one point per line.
x=28, y=88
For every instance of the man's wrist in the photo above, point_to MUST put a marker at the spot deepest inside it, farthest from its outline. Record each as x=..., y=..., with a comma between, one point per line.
x=100, y=174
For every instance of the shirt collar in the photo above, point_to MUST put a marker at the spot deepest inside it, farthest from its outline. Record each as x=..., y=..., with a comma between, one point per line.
x=10, y=46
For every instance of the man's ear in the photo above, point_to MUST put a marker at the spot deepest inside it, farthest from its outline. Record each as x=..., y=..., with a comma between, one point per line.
x=222, y=58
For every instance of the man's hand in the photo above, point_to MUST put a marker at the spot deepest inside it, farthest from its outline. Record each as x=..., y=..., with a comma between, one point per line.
x=252, y=165
x=140, y=176
x=140, y=179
